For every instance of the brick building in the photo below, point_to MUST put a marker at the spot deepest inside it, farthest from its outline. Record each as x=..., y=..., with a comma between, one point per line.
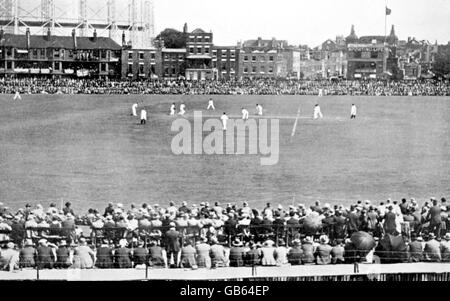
x=140, y=63
x=372, y=56
x=225, y=62
x=199, y=46
x=22, y=55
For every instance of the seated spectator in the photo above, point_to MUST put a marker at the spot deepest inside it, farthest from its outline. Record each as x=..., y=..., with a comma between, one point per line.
x=295, y=253
x=445, y=248
x=9, y=258
x=281, y=253
x=432, y=250
x=84, y=256
x=62, y=256
x=140, y=255
x=202, y=249
x=415, y=248
x=337, y=252
x=122, y=256
x=253, y=256
x=268, y=253
x=28, y=255
x=308, y=250
x=188, y=255
x=105, y=256
x=323, y=251
x=156, y=257
x=45, y=255
x=237, y=254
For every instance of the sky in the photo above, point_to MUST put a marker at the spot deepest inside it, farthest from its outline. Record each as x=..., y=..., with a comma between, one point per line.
x=308, y=22
x=305, y=22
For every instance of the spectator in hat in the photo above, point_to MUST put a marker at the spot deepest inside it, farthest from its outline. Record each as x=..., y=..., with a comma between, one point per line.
x=323, y=251
x=308, y=250
x=237, y=254
x=217, y=254
x=339, y=225
x=68, y=209
x=140, y=255
x=188, y=255
x=268, y=253
x=104, y=256
x=415, y=249
x=253, y=256
x=172, y=243
x=122, y=256
x=156, y=256
x=84, y=256
x=390, y=221
x=62, y=256
x=445, y=248
x=27, y=255
x=432, y=250
x=9, y=258
x=337, y=252
x=295, y=253
x=434, y=216
x=45, y=255
x=281, y=253
x=203, y=249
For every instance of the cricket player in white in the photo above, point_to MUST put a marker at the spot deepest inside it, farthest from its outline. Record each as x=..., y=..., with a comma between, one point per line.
x=259, y=110
x=244, y=114
x=17, y=96
x=320, y=92
x=317, y=112
x=224, y=119
x=172, y=109
x=182, y=109
x=143, y=116
x=353, y=112
x=134, y=110
x=211, y=105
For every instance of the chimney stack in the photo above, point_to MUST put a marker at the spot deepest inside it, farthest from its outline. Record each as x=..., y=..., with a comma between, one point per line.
x=28, y=35
x=95, y=35
x=124, y=42
x=74, y=38
x=49, y=34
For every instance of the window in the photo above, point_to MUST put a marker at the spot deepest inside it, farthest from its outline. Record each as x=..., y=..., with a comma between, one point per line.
x=374, y=55
x=262, y=58
x=206, y=50
x=246, y=70
x=153, y=55
x=365, y=55
x=9, y=65
x=35, y=53
x=103, y=67
x=191, y=50
x=130, y=55
x=263, y=69
x=254, y=58
x=173, y=70
x=141, y=55
x=166, y=70
x=224, y=55
x=56, y=53
x=199, y=50
x=271, y=58
x=270, y=69
x=141, y=69
x=357, y=54
x=180, y=57
x=254, y=69
x=246, y=58
x=103, y=54
x=56, y=66
x=130, y=69
x=166, y=57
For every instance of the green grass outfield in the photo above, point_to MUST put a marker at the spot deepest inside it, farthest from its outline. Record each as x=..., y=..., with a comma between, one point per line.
x=89, y=150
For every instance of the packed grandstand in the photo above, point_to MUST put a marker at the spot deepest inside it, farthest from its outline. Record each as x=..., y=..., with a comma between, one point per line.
x=221, y=235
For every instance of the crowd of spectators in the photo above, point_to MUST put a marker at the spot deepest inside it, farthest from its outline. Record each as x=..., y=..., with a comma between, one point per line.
x=211, y=236
x=39, y=85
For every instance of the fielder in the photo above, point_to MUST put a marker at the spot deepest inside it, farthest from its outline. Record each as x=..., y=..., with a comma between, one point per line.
x=143, y=116
x=172, y=109
x=134, y=110
x=224, y=119
x=259, y=110
x=244, y=114
x=182, y=109
x=320, y=92
x=211, y=105
x=353, y=112
x=17, y=96
x=317, y=112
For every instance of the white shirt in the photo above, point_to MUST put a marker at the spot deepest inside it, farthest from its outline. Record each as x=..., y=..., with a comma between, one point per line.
x=224, y=119
x=244, y=112
x=182, y=107
x=143, y=115
x=211, y=103
x=317, y=110
x=134, y=108
x=353, y=110
x=259, y=109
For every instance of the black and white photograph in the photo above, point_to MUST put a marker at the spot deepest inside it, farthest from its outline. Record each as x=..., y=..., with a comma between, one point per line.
x=250, y=142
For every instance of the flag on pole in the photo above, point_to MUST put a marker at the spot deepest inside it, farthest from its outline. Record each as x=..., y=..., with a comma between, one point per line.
x=388, y=11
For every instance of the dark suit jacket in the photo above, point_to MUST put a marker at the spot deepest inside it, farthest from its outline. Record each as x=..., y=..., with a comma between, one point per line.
x=172, y=241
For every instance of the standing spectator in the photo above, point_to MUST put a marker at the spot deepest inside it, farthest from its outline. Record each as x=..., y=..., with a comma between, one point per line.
x=172, y=242
x=434, y=216
x=353, y=221
x=390, y=223
x=340, y=225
